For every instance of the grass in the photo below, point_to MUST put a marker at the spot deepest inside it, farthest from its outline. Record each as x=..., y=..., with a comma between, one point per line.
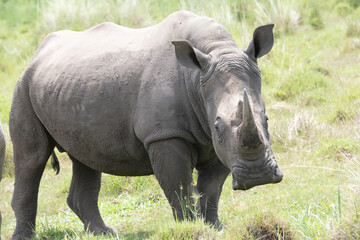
x=283, y=14
x=311, y=82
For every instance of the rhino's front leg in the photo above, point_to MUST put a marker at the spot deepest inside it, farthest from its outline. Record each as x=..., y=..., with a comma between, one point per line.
x=210, y=183
x=172, y=162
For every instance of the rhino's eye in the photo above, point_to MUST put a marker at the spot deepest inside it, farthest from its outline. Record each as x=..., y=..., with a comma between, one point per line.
x=216, y=126
x=266, y=121
x=217, y=123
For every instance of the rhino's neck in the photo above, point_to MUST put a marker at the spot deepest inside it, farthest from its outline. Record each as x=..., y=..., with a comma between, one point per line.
x=192, y=83
x=206, y=34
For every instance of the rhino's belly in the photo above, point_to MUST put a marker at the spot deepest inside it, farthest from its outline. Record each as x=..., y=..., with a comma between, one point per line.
x=121, y=165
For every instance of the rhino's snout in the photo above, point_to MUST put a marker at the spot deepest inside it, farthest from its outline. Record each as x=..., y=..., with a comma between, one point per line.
x=245, y=182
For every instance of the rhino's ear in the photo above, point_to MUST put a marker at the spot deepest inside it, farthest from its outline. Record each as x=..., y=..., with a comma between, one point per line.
x=262, y=42
x=189, y=56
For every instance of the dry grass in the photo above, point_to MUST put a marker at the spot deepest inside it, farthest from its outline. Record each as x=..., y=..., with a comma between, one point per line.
x=267, y=227
x=82, y=14
x=283, y=14
x=348, y=230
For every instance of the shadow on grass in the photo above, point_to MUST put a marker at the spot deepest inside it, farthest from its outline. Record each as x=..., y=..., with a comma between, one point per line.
x=68, y=233
x=137, y=235
x=55, y=234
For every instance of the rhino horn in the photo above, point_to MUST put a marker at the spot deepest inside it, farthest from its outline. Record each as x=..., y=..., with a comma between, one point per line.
x=249, y=135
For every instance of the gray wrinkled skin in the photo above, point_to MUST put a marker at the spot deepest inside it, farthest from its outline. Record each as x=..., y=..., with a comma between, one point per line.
x=161, y=100
x=2, y=159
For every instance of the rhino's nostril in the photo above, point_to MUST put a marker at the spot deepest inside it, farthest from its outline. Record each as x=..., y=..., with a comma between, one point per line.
x=278, y=175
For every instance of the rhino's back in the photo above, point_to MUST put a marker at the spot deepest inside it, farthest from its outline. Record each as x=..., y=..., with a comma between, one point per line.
x=109, y=38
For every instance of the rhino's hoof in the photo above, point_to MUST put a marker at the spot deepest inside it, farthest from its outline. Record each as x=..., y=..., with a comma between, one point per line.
x=103, y=231
x=112, y=231
x=218, y=225
x=22, y=235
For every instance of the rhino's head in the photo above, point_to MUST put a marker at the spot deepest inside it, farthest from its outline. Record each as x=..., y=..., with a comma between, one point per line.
x=230, y=87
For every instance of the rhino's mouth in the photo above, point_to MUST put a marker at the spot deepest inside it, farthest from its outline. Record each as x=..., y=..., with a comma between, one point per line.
x=245, y=178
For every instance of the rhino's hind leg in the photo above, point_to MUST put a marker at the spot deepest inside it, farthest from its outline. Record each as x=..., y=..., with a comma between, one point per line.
x=24, y=201
x=210, y=183
x=32, y=147
x=83, y=198
x=172, y=162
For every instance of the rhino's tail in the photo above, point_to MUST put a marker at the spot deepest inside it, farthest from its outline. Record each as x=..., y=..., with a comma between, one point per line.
x=55, y=163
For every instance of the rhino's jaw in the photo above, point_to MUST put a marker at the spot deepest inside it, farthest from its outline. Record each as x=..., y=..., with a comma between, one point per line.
x=245, y=181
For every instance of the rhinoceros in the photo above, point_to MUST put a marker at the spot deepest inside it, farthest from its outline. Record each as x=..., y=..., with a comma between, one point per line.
x=2, y=158
x=162, y=100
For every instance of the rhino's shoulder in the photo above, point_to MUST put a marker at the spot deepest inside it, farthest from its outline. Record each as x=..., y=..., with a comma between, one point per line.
x=183, y=17
x=182, y=14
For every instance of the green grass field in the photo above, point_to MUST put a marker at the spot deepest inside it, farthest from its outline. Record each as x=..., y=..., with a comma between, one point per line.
x=311, y=86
